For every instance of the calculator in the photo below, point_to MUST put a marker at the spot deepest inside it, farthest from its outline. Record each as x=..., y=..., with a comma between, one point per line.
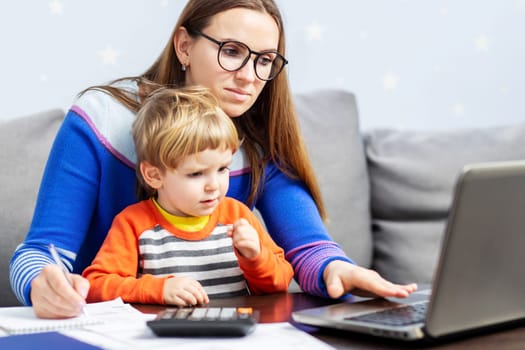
x=204, y=322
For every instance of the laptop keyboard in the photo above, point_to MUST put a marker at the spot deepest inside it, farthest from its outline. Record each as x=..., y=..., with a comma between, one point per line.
x=399, y=316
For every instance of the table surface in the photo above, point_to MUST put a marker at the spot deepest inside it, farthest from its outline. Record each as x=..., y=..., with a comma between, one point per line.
x=278, y=308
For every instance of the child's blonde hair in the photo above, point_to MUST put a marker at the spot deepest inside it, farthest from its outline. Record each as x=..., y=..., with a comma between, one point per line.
x=175, y=123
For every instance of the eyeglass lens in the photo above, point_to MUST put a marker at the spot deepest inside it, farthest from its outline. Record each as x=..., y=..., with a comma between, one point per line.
x=233, y=56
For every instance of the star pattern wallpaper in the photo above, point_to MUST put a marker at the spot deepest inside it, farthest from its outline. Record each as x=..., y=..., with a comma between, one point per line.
x=412, y=64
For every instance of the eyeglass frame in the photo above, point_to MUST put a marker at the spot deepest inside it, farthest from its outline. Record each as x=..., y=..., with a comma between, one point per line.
x=246, y=59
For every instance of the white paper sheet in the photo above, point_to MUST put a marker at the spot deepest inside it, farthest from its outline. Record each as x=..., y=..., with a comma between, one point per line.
x=136, y=335
x=124, y=327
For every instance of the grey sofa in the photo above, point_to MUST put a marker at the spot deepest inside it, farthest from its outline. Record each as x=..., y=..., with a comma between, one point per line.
x=387, y=191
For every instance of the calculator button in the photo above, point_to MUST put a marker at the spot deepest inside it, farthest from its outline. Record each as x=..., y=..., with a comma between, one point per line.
x=213, y=313
x=228, y=313
x=198, y=314
x=244, y=312
x=183, y=313
x=168, y=314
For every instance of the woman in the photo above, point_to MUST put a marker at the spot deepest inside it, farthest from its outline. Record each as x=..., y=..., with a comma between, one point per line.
x=236, y=49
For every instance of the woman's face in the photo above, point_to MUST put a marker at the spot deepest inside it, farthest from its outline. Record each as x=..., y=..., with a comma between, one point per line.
x=236, y=91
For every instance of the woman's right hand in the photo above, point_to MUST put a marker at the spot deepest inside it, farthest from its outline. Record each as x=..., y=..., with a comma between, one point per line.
x=343, y=277
x=53, y=296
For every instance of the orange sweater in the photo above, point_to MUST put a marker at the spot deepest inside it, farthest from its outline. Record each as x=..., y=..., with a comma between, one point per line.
x=117, y=268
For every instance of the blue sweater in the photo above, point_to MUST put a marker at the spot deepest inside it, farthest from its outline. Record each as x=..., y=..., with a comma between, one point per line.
x=90, y=177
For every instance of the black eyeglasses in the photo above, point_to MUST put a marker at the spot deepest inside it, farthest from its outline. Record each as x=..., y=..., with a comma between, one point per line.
x=233, y=55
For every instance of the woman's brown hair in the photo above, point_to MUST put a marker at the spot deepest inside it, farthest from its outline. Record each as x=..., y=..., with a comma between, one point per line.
x=270, y=125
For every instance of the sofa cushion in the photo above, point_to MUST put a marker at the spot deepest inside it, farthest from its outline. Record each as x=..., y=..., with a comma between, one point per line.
x=25, y=144
x=329, y=123
x=412, y=176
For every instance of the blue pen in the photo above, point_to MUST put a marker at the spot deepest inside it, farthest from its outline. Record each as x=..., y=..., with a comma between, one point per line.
x=59, y=262
x=63, y=267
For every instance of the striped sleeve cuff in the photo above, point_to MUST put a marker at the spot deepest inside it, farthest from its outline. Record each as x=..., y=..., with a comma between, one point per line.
x=23, y=269
x=309, y=262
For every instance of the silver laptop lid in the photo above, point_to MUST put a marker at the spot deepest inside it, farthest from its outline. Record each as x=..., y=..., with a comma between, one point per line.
x=480, y=279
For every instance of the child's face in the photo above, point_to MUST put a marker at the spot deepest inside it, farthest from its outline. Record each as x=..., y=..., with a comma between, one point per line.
x=197, y=185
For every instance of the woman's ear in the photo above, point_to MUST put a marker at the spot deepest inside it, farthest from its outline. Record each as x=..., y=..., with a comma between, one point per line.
x=151, y=175
x=182, y=43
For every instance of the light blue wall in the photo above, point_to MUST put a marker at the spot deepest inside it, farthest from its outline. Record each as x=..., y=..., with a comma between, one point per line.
x=411, y=63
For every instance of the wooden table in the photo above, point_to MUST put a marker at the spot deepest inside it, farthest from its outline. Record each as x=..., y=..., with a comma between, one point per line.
x=278, y=308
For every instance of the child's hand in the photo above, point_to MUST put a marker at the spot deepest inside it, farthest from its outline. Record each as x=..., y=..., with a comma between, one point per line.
x=245, y=239
x=184, y=291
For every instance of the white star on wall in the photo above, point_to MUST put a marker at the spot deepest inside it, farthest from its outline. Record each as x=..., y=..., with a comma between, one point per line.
x=458, y=109
x=390, y=81
x=56, y=7
x=443, y=11
x=109, y=55
x=340, y=81
x=519, y=4
x=314, y=31
x=482, y=42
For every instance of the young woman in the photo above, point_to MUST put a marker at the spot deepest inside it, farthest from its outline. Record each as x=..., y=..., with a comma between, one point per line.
x=235, y=48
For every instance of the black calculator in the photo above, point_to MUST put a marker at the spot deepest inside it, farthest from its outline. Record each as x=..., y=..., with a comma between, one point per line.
x=204, y=322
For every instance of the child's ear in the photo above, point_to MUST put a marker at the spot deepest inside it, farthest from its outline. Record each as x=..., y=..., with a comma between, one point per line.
x=151, y=174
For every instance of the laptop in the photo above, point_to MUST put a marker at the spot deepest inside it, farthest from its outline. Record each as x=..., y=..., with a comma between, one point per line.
x=479, y=281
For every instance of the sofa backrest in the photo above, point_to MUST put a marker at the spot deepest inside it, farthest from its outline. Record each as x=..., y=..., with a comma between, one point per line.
x=24, y=144
x=412, y=177
x=330, y=125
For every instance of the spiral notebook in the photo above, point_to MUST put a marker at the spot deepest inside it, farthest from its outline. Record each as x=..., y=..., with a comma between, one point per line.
x=22, y=320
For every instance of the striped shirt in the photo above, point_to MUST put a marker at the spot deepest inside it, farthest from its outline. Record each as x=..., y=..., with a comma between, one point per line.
x=143, y=249
x=211, y=261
